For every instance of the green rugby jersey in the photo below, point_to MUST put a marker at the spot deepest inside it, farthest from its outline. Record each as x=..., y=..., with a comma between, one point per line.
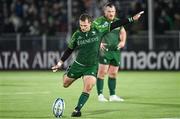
x=86, y=45
x=111, y=38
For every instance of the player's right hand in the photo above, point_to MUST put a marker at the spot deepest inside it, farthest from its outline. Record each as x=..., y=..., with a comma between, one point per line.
x=57, y=66
x=138, y=15
x=121, y=45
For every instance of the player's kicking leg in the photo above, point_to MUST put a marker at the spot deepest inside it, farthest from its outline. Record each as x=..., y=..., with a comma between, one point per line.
x=67, y=81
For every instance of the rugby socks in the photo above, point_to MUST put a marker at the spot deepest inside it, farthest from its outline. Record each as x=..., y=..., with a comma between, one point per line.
x=112, y=85
x=99, y=85
x=82, y=100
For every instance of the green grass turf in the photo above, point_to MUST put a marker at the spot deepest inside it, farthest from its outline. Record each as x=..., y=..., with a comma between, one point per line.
x=29, y=95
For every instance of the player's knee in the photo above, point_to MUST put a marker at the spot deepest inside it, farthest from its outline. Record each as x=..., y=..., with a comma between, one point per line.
x=65, y=85
x=88, y=88
x=101, y=74
x=66, y=82
x=113, y=74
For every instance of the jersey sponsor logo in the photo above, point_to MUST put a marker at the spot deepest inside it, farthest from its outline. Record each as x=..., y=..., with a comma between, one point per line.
x=87, y=41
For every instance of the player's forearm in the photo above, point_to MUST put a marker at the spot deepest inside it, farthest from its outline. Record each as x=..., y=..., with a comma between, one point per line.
x=123, y=35
x=66, y=54
x=125, y=21
x=119, y=23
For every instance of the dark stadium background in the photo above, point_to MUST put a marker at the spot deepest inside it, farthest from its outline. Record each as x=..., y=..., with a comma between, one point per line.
x=34, y=33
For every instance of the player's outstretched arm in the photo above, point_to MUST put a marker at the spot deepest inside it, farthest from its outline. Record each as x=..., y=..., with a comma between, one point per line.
x=122, y=22
x=65, y=56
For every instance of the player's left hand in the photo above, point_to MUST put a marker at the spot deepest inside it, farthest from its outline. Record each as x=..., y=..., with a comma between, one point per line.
x=138, y=15
x=103, y=46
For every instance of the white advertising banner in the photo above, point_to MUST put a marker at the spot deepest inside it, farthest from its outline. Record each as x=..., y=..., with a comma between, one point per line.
x=130, y=60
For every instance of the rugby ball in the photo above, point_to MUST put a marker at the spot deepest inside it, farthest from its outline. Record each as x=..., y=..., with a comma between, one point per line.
x=58, y=107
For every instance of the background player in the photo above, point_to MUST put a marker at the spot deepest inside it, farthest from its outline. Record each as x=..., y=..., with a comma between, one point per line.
x=109, y=60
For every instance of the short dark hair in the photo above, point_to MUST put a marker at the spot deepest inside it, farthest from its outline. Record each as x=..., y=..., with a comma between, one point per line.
x=85, y=16
x=109, y=4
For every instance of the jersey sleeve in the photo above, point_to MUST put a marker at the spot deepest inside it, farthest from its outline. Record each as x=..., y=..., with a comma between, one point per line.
x=103, y=28
x=72, y=41
x=120, y=23
x=120, y=26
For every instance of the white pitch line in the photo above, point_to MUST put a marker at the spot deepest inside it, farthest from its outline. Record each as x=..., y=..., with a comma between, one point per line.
x=170, y=118
x=25, y=93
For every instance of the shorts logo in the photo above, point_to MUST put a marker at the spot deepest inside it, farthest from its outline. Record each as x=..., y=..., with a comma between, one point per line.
x=92, y=72
x=105, y=61
x=71, y=74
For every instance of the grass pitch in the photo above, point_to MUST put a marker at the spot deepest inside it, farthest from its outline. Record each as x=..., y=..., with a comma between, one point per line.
x=148, y=95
